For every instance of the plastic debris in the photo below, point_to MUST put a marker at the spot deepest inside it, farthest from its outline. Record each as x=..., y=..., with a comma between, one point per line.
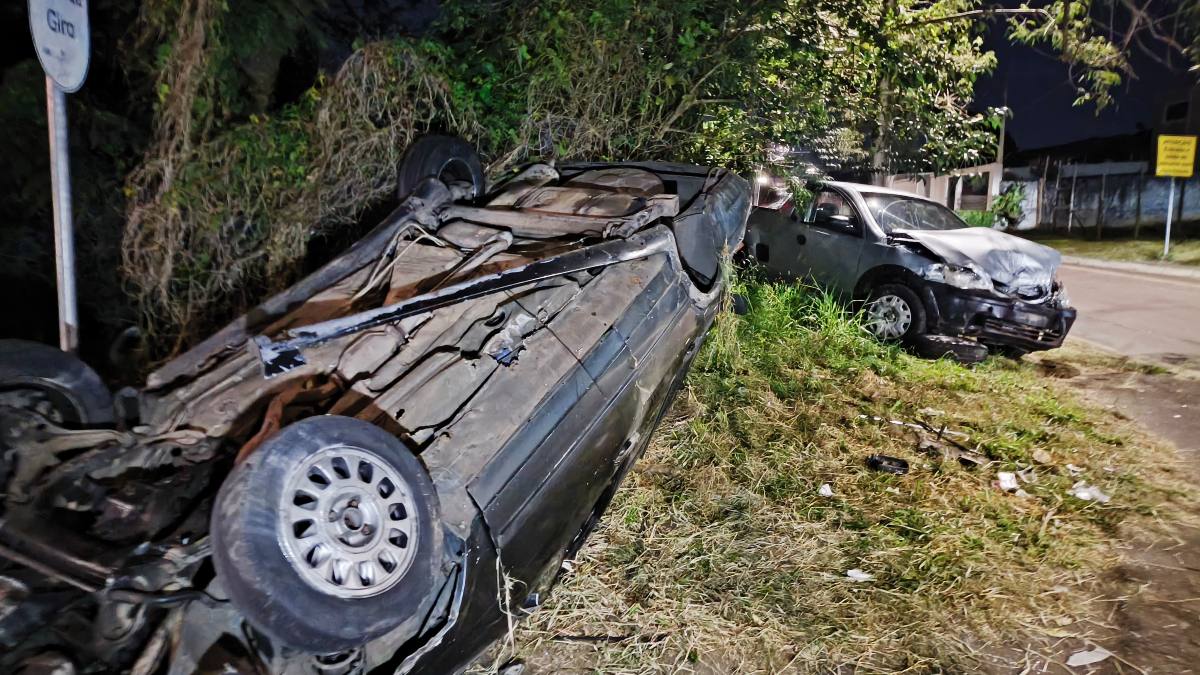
x=859, y=575
x=1088, y=493
x=1087, y=657
x=888, y=464
x=826, y=490
x=1007, y=481
x=1074, y=470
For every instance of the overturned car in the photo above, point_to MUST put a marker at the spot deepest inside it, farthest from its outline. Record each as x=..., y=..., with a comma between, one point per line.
x=374, y=470
x=917, y=267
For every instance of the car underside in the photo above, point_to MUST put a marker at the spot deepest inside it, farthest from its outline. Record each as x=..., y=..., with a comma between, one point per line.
x=375, y=469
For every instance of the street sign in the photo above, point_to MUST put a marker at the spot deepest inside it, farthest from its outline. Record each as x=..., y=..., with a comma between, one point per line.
x=1176, y=159
x=62, y=39
x=1176, y=156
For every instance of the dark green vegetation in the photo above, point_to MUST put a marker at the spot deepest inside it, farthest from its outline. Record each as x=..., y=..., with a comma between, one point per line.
x=721, y=551
x=223, y=146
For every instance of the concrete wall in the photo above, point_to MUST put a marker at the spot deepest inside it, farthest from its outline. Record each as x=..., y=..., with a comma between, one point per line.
x=938, y=187
x=1116, y=201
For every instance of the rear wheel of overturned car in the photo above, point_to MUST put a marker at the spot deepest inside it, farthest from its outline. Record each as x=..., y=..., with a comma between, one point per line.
x=446, y=158
x=326, y=536
x=894, y=313
x=53, y=383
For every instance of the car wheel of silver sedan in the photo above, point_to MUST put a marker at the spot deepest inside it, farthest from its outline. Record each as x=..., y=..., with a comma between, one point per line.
x=894, y=313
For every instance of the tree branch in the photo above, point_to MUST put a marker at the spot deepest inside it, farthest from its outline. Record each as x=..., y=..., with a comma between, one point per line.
x=994, y=11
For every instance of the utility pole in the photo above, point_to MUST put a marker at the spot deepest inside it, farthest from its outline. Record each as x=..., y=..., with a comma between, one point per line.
x=879, y=159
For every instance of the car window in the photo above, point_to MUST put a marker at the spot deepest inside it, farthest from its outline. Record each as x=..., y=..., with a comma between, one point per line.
x=831, y=203
x=831, y=210
x=898, y=212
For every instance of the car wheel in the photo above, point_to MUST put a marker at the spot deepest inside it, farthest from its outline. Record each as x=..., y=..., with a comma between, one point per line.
x=894, y=313
x=327, y=535
x=56, y=384
x=443, y=157
x=962, y=350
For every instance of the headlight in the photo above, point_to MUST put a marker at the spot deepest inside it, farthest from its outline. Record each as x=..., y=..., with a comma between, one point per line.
x=965, y=278
x=1060, y=294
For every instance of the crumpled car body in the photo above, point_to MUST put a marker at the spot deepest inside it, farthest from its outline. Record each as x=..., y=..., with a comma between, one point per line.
x=523, y=346
x=970, y=281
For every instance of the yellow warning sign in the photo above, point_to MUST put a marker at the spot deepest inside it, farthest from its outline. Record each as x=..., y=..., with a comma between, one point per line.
x=1176, y=156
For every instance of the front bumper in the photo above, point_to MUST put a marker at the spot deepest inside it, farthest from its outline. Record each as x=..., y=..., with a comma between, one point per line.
x=1000, y=321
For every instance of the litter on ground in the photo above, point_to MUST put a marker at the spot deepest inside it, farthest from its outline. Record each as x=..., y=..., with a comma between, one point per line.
x=859, y=575
x=1089, y=493
x=1087, y=657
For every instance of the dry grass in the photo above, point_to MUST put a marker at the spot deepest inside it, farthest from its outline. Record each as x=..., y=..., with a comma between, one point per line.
x=217, y=217
x=720, y=555
x=1185, y=252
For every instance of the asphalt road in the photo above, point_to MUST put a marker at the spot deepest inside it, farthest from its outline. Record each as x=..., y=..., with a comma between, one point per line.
x=1136, y=314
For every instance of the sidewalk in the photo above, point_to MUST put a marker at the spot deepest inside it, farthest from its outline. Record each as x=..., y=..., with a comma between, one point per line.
x=1155, y=269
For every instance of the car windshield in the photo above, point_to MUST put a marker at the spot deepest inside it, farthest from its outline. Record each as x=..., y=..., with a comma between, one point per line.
x=897, y=212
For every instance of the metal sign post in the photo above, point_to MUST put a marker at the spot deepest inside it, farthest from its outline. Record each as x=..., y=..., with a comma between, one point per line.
x=1170, y=212
x=1176, y=159
x=62, y=39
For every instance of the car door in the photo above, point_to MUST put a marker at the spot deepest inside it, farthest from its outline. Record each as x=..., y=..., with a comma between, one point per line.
x=829, y=241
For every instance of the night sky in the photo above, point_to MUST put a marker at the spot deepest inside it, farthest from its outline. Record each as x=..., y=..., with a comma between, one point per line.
x=1040, y=95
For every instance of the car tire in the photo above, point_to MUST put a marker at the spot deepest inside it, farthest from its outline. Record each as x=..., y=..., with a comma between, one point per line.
x=54, y=382
x=894, y=313
x=269, y=560
x=443, y=157
x=960, y=350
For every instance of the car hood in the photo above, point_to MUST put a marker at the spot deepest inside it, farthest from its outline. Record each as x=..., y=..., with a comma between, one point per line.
x=1015, y=265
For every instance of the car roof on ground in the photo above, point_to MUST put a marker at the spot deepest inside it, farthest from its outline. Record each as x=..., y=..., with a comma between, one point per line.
x=864, y=187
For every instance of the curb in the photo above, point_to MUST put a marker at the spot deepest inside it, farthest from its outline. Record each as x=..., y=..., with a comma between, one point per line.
x=1153, y=269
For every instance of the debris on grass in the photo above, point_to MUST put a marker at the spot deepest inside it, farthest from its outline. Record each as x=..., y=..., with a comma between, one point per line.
x=826, y=490
x=1087, y=657
x=1007, y=481
x=859, y=575
x=888, y=464
x=948, y=451
x=916, y=425
x=1088, y=493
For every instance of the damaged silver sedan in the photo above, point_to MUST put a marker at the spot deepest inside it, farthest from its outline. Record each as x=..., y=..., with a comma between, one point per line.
x=376, y=469
x=918, y=269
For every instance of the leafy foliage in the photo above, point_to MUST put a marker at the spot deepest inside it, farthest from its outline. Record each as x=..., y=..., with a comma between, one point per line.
x=233, y=186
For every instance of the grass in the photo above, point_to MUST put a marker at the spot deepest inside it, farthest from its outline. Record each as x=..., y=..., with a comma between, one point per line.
x=720, y=554
x=1185, y=252
x=978, y=218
